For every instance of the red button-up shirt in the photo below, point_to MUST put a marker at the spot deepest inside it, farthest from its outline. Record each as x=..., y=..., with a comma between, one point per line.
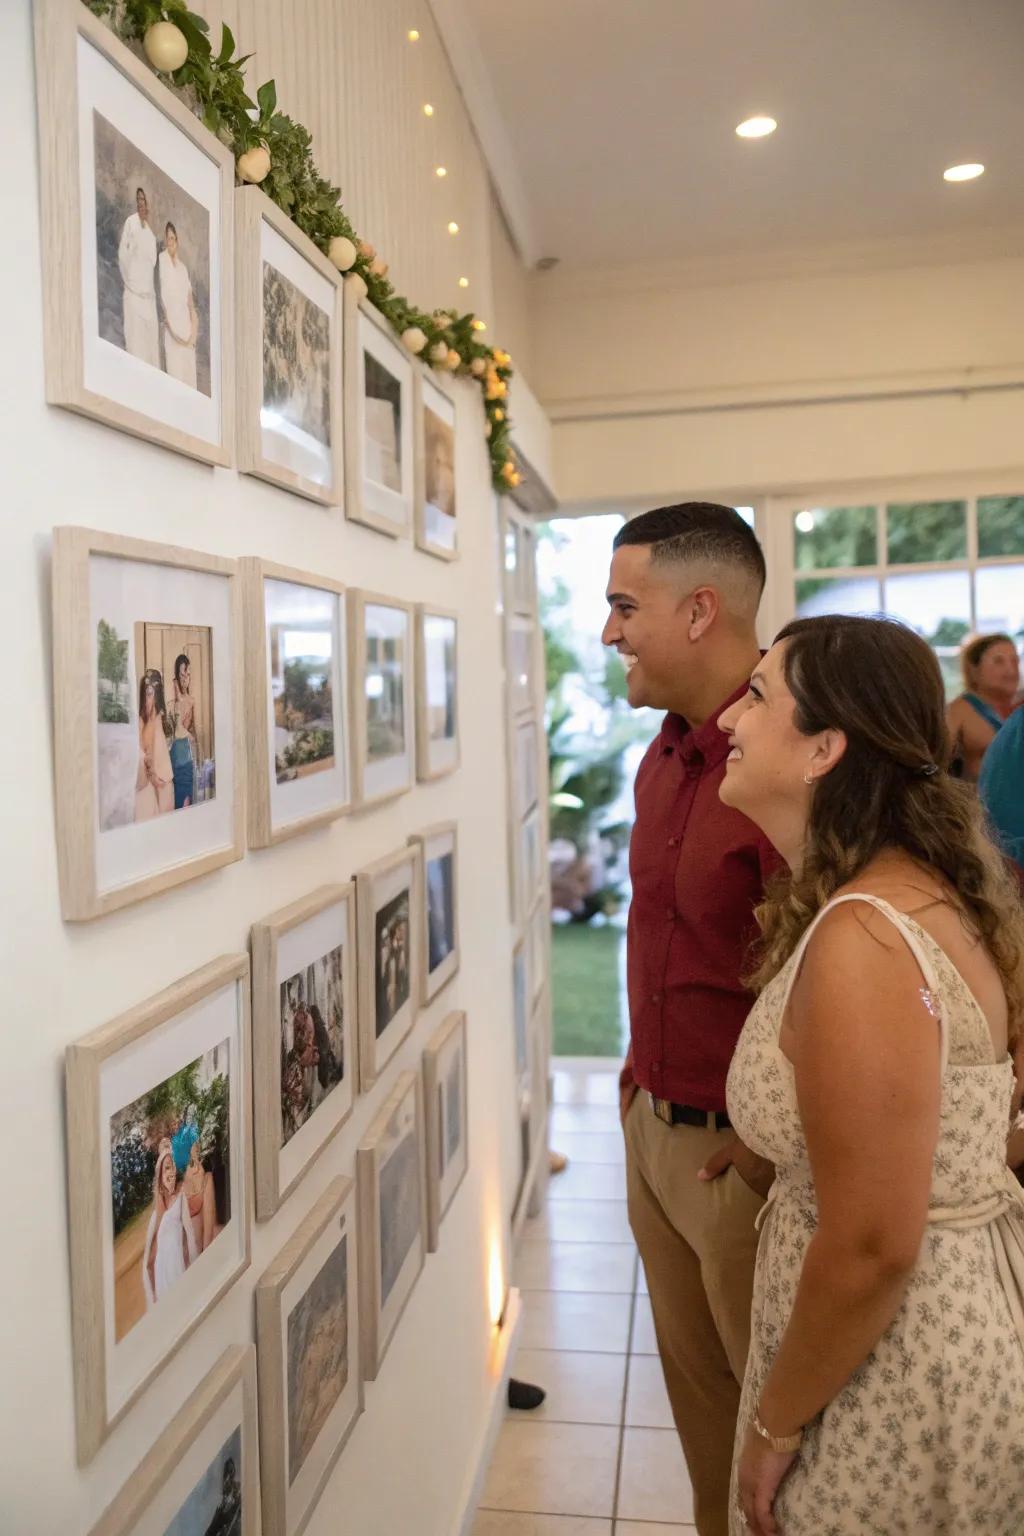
x=698, y=868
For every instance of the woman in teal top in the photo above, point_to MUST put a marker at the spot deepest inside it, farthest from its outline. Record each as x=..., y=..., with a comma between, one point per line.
x=1002, y=786
x=991, y=672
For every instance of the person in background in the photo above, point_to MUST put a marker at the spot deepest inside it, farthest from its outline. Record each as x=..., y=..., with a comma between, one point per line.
x=886, y=1362
x=177, y=311
x=991, y=670
x=1001, y=788
x=683, y=593
x=136, y=260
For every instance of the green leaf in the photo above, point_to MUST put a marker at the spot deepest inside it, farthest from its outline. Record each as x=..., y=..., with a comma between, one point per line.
x=211, y=118
x=267, y=98
x=227, y=44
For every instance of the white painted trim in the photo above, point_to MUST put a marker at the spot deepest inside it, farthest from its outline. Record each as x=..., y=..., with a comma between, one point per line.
x=506, y=1346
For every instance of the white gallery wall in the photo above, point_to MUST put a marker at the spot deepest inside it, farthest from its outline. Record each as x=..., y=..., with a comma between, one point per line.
x=746, y=379
x=412, y=1456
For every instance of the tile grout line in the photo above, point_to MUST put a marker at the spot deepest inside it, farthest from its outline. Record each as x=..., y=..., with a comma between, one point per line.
x=625, y=1398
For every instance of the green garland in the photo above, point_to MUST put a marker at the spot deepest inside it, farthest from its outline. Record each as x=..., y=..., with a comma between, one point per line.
x=214, y=87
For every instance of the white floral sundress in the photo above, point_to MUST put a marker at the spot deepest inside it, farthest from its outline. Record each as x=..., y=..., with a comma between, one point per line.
x=927, y=1436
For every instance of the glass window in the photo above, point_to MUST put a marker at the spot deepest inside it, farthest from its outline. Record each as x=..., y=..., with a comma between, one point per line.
x=840, y=594
x=926, y=530
x=1000, y=526
x=747, y=514
x=938, y=605
x=999, y=599
x=828, y=537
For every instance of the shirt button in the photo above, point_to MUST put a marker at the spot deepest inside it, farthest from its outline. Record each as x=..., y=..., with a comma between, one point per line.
x=656, y=998
x=673, y=842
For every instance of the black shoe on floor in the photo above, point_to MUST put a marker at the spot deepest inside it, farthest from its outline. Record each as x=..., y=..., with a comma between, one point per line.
x=522, y=1394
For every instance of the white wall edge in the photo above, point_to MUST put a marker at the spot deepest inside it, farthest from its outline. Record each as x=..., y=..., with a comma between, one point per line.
x=505, y=1348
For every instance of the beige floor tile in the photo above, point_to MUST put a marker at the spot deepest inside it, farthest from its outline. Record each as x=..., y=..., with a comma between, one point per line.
x=569, y=1320
x=553, y=1469
x=647, y=1405
x=545, y=1266
x=589, y=1181
x=591, y=1146
x=498, y=1522
x=584, y=1117
x=654, y=1484
x=582, y=1221
x=581, y=1388
x=644, y=1341
x=594, y=1087
x=645, y=1528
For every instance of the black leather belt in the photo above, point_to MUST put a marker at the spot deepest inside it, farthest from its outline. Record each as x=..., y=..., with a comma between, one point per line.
x=685, y=1114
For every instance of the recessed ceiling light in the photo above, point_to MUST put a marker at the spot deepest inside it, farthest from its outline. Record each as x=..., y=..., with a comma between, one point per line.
x=453, y=228
x=963, y=172
x=757, y=127
x=442, y=170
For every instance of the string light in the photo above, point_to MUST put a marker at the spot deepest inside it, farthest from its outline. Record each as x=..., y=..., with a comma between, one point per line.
x=453, y=228
x=442, y=170
x=463, y=282
x=413, y=35
x=428, y=110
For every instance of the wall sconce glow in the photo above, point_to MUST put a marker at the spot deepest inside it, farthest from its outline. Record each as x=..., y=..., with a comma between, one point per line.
x=428, y=110
x=969, y=172
x=413, y=35
x=757, y=127
x=479, y=325
x=453, y=228
x=442, y=170
x=495, y=1285
x=805, y=522
x=463, y=282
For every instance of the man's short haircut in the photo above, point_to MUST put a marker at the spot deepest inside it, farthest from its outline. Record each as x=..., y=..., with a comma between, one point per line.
x=698, y=532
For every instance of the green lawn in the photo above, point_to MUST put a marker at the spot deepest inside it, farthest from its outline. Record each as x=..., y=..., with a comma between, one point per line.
x=585, y=985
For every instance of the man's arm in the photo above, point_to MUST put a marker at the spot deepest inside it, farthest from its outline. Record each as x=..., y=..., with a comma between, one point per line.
x=628, y=1088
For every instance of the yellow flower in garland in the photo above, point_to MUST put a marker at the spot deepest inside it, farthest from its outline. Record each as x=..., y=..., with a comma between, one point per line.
x=502, y=359
x=509, y=473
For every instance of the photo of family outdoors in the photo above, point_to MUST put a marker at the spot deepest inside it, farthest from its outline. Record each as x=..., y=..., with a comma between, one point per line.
x=170, y=1183
x=392, y=959
x=155, y=721
x=312, y=1039
x=152, y=261
x=301, y=665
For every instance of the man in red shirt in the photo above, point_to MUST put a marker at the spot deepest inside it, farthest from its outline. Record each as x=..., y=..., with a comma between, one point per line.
x=684, y=591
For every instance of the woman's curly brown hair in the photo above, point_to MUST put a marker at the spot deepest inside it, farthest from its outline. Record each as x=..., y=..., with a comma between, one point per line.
x=879, y=683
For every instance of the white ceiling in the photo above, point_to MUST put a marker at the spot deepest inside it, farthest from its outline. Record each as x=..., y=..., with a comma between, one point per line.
x=609, y=124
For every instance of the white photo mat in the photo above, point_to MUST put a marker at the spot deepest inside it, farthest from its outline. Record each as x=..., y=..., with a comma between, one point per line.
x=437, y=692
x=380, y=620
x=369, y=499
x=400, y=1118
x=445, y=1081
x=376, y=887
x=436, y=843
x=283, y=442
x=436, y=529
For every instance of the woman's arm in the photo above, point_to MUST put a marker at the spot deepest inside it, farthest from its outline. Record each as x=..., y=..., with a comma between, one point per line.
x=866, y=1064
x=193, y=318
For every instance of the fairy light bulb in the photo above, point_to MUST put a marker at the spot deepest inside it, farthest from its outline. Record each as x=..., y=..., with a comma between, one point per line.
x=428, y=110
x=453, y=228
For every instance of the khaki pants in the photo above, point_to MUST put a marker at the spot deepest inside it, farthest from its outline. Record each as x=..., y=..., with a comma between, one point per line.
x=698, y=1245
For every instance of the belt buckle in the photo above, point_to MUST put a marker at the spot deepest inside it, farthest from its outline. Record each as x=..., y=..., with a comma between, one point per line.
x=662, y=1108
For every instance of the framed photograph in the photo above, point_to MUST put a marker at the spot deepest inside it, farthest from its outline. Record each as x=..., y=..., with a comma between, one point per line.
x=158, y=1183
x=540, y=1029
x=521, y=1017
x=304, y=1036
x=137, y=243
x=524, y=594
x=387, y=901
x=528, y=863
x=437, y=692
x=290, y=324
x=519, y=662
x=439, y=922
x=436, y=531
x=147, y=667
x=392, y=1221
x=446, y=1087
x=525, y=767
x=307, y=1336
x=379, y=471
x=203, y=1473
x=538, y=942
x=383, y=711
x=296, y=701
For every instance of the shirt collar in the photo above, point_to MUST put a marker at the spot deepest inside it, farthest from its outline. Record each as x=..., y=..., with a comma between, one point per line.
x=707, y=743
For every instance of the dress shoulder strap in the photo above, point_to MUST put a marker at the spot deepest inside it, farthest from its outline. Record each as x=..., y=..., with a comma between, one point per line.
x=902, y=922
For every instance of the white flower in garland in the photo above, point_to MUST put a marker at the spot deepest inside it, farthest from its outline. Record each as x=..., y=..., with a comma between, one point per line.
x=341, y=252
x=165, y=46
x=413, y=339
x=358, y=285
x=439, y=353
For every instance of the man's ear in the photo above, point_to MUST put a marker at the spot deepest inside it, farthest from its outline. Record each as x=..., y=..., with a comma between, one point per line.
x=702, y=605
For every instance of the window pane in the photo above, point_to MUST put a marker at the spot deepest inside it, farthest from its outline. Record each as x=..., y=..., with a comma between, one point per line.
x=999, y=594
x=747, y=514
x=1000, y=526
x=927, y=530
x=938, y=605
x=821, y=594
x=826, y=537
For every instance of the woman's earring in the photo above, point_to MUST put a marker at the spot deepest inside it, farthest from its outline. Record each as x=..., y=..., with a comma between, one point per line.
x=808, y=778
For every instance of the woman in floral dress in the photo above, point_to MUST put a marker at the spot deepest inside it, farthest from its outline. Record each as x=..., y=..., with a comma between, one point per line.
x=884, y=1391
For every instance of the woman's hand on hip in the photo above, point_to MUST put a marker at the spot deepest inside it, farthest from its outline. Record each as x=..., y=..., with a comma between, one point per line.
x=759, y=1474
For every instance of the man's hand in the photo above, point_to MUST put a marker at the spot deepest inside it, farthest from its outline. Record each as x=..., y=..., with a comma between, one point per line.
x=755, y=1171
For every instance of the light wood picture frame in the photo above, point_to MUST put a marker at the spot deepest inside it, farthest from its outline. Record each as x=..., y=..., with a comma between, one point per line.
x=540, y=1061
x=526, y=765
x=388, y=902
x=136, y=337
x=158, y=1105
x=382, y=688
x=390, y=1169
x=446, y=1100
x=521, y=666
x=436, y=506
x=379, y=415
x=538, y=947
x=310, y=1372
x=521, y=1016
x=290, y=325
x=205, y=1465
x=296, y=696
x=437, y=692
x=125, y=613
x=529, y=864
x=304, y=979
x=439, y=905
